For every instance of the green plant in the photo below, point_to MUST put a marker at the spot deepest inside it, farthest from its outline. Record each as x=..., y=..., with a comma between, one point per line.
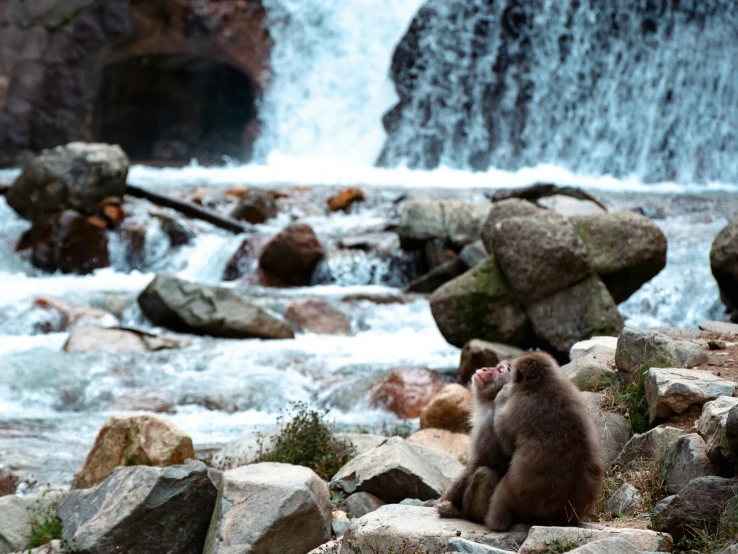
x=45, y=527
x=306, y=440
x=558, y=546
x=632, y=401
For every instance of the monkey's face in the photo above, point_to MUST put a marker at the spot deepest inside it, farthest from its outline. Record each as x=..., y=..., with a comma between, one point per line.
x=488, y=381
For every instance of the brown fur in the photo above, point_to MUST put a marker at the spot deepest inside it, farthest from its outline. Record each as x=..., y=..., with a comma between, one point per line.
x=556, y=470
x=469, y=496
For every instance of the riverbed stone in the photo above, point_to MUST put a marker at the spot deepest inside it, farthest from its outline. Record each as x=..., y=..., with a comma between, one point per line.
x=568, y=206
x=436, y=277
x=477, y=354
x=457, y=223
x=625, y=249
x=627, y=499
x=711, y=426
x=16, y=513
x=457, y=445
x=142, y=509
x=190, y=307
x=566, y=317
x=505, y=209
x=638, y=349
x=648, y=446
x=77, y=176
x=402, y=528
x=686, y=460
x=397, y=470
x=256, y=206
x=315, y=315
x=405, y=392
x=593, y=371
x=724, y=263
x=127, y=440
x=292, y=256
x=449, y=409
x=540, y=538
x=478, y=305
x=673, y=390
x=270, y=507
x=585, y=346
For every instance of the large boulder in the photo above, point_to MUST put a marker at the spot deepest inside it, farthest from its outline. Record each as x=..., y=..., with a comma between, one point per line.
x=68, y=242
x=699, y=504
x=505, y=209
x=593, y=371
x=686, y=460
x=405, y=392
x=566, y=317
x=478, y=305
x=397, y=470
x=625, y=249
x=401, y=528
x=449, y=409
x=724, y=263
x=481, y=353
x=205, y=310
x=453, y=221
x=712, y=427
x=640, y=349
x=292, y=256
x=149, y=440
x=270, y=507
x=147, y=510
x=539, y=255
x=17, y=513
x=648, y=446
x=673, y=390
x=77, y=176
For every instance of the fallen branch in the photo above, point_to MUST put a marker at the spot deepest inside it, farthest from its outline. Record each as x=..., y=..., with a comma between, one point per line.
x=541, y=190
x=188, y=208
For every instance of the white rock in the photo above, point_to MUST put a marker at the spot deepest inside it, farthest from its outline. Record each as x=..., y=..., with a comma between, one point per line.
x=54, y=547
x=332, y=547
x=270, y=507
x=362, y=442
x=583, y=347
x=711, y=426
x=569, y=206
x=610, y=545
x=16, y=512
x=673, y=390
x=539, y=537
x=463, y=546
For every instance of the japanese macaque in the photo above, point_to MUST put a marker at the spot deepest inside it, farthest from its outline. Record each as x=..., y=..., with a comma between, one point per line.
x=469, y=496
x=556, y=469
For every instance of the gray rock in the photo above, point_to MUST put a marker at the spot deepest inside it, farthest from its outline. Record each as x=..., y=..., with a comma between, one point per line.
x=720, y=327
x=731, y=433
x=397, y=470
x=610, y=545
x=405, y=528
x=361, y=503
x=584, y=347
x=593, y=371
x=339, y=528
x=625, y=249
x=539, y=255
x=687, y=460
x=331, y=547
x=639, y=349
x=473, y=254
x=480, y=353
x=711, y=426
x=724, y=263
x=569, y=206
x=570, y=315
x=362, y=442
x=54, y=547
x=670, y=391
x=700, y=503
x=16, y=513
x=613, y=430
x=451, y=220
x=540, y=538
x=142, y=509
x=463, y=546
x=478, y=305
x=627, y=499
x=505, y=209
x=205, y=310
x=436, y=277
x=270, y=507
x=77, y=176
x=244, y=450
x=411, y=502
x=648, y=446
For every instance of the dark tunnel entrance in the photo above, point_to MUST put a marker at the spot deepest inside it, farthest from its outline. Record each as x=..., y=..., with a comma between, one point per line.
x=171, y=109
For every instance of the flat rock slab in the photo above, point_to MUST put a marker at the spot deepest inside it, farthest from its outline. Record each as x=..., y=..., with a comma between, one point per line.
x=720, y=327
x=540, y=538
x=673, y=390
x=711, y=427
x=583, y=347
x=396, y=528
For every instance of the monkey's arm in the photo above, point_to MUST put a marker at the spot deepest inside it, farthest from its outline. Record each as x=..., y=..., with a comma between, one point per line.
x=450, y=504
x=506, y=425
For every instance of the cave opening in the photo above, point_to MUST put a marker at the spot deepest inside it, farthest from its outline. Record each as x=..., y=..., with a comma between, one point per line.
x=172, y=108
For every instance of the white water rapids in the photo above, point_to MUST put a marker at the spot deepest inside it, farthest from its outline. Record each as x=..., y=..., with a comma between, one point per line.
x=322, y=129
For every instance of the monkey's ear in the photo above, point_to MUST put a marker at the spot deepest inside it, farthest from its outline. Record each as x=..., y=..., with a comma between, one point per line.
x=518, y=376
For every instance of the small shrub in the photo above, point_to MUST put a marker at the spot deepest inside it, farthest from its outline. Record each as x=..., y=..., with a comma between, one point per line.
x=306, y=440
x=559, y=546
x=631, y=401
x=45, y=527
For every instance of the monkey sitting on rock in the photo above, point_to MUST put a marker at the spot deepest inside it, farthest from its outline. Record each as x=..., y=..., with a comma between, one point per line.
x=543, y=428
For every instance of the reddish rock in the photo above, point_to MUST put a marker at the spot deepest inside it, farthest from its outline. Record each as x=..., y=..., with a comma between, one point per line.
x=67, y=242
x=345, y=199
x=457, y=445
x=292, y=255
x=317, y=316
x=244, y=259
x=256, y=206
x=405, y=392
x=450, y=409
x=113, y=214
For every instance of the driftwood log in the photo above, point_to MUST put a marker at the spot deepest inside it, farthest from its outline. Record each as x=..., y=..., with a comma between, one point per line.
x=541, y=190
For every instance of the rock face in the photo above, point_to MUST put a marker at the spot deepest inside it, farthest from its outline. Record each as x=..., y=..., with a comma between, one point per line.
x=67, y=242
x=292, y=255
x=700, y=503
x=712, y=424
x=397, y=528
x=478, y=305
x=141, y=509
x=724, y=263
x=405, y=392
x=670, y=391
x=77, y=177
x=450, y=409
x=625, y=249
x=479, y=353
x=687, y=460
x=133, y=440
x=270, y=507
x=457, y=445
x=15, y=523
x=397, y=470
x=317, y=316
x=638, y=349
x=453, y=221
x=204, y=310
x=256, y=206
x=593, y=371
x=90, y=55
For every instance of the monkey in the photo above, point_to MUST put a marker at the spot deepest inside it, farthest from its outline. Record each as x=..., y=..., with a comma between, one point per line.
x=556, y=469
x=469, y=496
